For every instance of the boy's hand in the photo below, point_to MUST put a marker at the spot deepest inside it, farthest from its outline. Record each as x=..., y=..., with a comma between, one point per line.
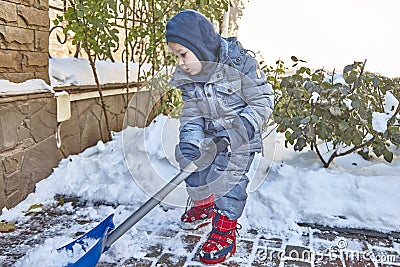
x=186, y=153
x=202, y=157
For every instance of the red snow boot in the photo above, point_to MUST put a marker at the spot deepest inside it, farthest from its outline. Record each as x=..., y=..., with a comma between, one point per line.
x=221, y=242
x=199, y=215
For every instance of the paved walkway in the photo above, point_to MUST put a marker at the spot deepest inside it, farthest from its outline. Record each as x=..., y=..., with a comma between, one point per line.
x=316, y=246
x=319, y=247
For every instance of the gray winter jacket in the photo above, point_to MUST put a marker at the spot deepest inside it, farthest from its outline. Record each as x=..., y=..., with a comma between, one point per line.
x=237, y=87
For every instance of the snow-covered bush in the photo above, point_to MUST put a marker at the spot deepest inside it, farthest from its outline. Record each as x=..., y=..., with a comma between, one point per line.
x=336, y=114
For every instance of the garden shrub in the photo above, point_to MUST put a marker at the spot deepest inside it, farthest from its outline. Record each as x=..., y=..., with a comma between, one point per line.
x=336, y=113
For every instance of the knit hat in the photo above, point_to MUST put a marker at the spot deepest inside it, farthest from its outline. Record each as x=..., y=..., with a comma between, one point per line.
x=195, y=32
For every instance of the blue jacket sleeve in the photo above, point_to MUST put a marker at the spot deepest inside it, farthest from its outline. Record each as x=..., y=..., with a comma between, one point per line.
x=191, y=120
x=258, y=95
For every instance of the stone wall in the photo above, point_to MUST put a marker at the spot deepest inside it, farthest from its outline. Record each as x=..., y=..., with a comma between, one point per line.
x=28, y=145
x=24, y=40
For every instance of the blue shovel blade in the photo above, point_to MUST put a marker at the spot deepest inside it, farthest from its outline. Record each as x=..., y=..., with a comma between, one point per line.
x=91, y=256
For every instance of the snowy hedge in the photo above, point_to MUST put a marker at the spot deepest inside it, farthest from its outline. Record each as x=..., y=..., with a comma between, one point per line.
x=336, y=114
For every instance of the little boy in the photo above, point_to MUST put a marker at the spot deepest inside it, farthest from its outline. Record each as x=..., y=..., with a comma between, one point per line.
x=225, y=95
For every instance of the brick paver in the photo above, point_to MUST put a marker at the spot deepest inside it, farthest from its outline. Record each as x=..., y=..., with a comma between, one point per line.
x=316, y=246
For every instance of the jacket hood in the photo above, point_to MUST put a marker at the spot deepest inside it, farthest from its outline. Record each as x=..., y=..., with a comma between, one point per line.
x=195, y=32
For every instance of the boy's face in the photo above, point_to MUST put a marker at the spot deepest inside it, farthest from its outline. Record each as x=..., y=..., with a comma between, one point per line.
x=187, y=60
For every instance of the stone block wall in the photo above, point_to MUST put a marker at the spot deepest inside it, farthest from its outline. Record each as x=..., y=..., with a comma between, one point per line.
x=28, y=145
x=27, y=126
x=24, y=40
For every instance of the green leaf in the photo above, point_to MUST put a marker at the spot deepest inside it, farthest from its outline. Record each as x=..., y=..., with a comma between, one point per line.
x=364, y=154
x=308, y=85
x=387, y=155
x=363, y=112
x=35, y=206
x=300, y=144
x=297, y=133
x=289, y=137
x=357, y=139
x=376, y=81
x=335, y=111
x=285, y=81
x=356, y=103
x=345, y=90
x=302, y=70
x=294, y=58
x=343, y=126
x=378, y=149
x=351, y=79
x=348, y=68
x=322, y=133
x=314, y=118
x=315, y=77
x=305, y=120
x=326, y=85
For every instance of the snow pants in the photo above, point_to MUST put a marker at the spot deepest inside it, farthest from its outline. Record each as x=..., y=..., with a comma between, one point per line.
x=226, y=179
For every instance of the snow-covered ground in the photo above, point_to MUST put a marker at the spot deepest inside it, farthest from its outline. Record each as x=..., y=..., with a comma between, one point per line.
x=287, y=188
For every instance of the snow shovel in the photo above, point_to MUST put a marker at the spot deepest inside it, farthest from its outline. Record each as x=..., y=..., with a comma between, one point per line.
x=106, y=235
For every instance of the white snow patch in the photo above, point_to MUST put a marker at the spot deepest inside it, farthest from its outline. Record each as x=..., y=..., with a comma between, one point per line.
x=351, y=193
x=30, y=86
x=379, y=121
x=77, y=71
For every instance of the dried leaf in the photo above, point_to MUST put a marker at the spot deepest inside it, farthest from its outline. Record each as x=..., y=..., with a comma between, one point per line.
x=7, y=227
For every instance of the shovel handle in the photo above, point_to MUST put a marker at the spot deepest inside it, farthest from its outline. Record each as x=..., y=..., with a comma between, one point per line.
x=114, y=235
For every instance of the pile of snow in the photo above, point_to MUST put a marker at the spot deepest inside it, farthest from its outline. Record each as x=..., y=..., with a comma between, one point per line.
x=77, y=71
x=48, y=255
x=30, y=86
x=351, y=193
x=337, y=78
x=380, y=120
